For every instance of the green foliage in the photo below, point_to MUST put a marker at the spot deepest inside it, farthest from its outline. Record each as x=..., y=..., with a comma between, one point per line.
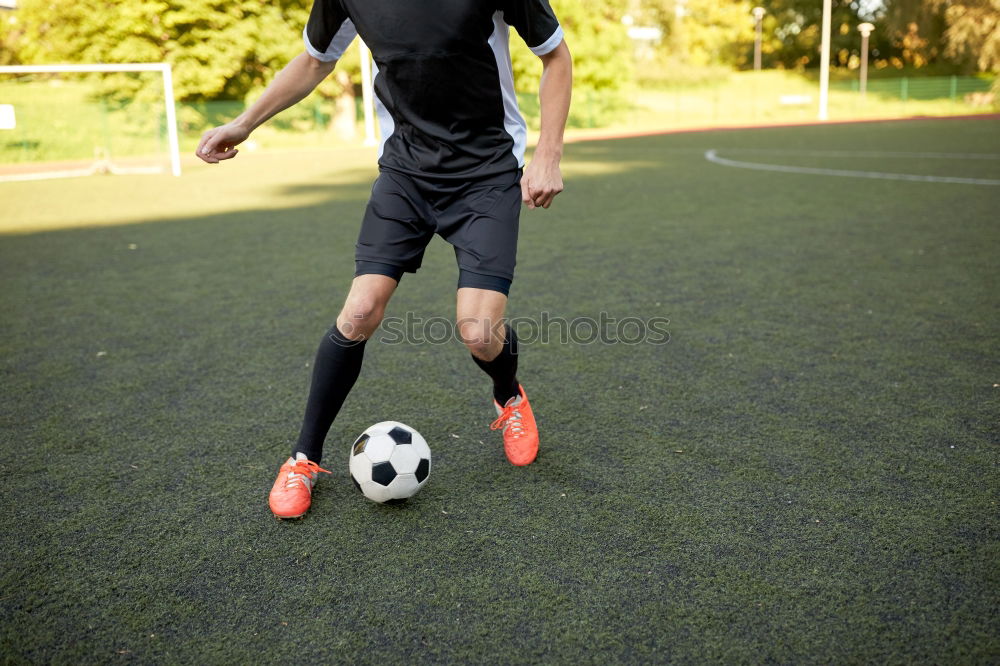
x=792, y=33
x=218, y=49
x=230, y=50
x=716, y=33
x=960, y=36
x=973, y=34
x=949, y=36
x=710, y=33
x=699, y=38
x=602, y=61
x=909, y=33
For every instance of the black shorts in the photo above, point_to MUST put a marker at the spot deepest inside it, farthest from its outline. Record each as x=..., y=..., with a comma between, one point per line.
x=479, y=218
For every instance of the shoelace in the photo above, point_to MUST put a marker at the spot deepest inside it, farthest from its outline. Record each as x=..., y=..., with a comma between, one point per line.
x=303, y=469
x=511, y=417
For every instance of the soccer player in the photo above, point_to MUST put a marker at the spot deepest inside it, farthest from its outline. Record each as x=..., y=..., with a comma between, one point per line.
x=451, y=162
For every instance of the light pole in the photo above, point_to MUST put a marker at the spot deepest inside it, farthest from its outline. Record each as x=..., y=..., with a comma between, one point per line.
x=824, y=60
x=865, y=29
x=758, y=15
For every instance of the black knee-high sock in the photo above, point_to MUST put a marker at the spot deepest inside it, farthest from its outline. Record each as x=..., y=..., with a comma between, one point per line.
x=503, y=369
x=337, y=366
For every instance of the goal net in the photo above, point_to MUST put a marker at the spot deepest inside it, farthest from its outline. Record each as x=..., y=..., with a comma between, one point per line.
x=59, y=121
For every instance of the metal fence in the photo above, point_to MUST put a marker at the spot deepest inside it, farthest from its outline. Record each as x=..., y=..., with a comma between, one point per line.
x=69, y=123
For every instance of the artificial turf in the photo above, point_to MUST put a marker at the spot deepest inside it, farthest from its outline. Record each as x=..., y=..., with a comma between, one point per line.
x=806, y=473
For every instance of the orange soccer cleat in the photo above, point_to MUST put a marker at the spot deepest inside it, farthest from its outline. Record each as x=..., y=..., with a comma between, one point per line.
x=520, y=433
x=291, y=493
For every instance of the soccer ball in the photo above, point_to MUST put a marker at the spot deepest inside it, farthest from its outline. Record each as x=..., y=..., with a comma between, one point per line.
x=390, y=461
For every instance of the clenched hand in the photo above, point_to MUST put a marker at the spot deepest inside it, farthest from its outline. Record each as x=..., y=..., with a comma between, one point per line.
x=541, y=182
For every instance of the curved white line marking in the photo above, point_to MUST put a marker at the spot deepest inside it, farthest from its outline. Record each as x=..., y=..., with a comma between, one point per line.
x=867, y=153
x=712, y=156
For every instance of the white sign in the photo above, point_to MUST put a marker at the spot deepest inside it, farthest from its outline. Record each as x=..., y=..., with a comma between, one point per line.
x=645, y=34
x=7, y=117
x=795, y=100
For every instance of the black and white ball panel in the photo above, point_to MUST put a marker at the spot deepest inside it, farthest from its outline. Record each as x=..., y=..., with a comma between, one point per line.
x=401, y=435
x=390, y=461
x=383, y=473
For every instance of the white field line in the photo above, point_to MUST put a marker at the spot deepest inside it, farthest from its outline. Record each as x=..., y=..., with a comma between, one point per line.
x=45, y=175
x=712, y=156
x=867, y=153
x=81, y=173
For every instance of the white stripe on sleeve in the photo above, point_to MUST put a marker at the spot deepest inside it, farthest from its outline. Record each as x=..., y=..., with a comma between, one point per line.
x=549, y=44
x=335, y=49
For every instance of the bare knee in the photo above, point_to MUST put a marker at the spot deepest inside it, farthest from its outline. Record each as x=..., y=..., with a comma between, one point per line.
x=361, y=315
x=365, y=305
x=481, y=341
x=480, y=321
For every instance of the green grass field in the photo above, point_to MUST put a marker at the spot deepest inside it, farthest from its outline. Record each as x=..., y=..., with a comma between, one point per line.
x=806, y=473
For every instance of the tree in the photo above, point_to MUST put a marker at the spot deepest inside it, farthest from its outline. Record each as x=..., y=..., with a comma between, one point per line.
x=227, y=50
x=218, y=49
x=964, y=33
x=602, y=62
x=716, y=33
x=973, y=33
x=698, y=32
x=721, y=32
x=792, y=32
x=911, y=32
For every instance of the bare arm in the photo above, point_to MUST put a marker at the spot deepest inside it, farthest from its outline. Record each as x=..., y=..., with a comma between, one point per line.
x=542, y=180
x=289, y=87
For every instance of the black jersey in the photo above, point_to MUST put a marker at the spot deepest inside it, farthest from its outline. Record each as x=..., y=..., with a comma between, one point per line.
x=444, y=86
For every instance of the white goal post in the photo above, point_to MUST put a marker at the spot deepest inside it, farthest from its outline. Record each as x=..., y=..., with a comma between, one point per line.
x=168, y=91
